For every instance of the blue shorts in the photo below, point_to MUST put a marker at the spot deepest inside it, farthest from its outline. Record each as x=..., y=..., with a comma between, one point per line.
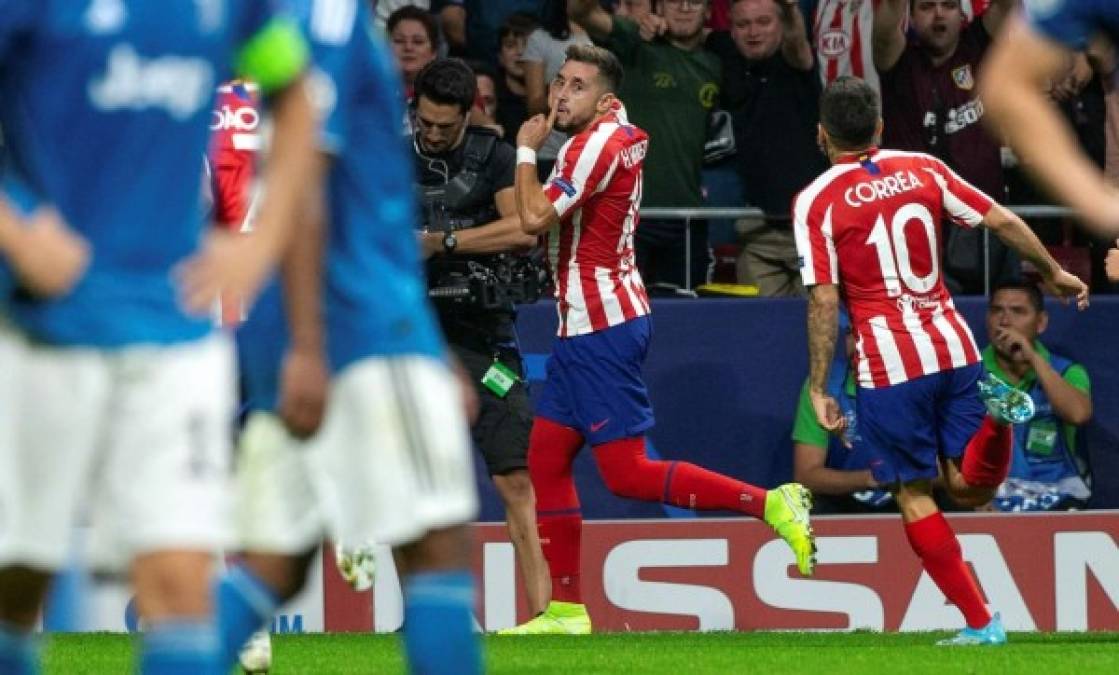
x=906, y=427
x=594, y=384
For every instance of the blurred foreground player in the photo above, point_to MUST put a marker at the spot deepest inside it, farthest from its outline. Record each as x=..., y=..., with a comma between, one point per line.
x=392, y=462
x=869, y=226
x=594, y=392
x=1034, y=50
x=119, y=391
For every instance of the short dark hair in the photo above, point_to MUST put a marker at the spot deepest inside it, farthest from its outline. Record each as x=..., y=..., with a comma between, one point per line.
x=447, y=82
x=849, y=111
x=1030, y=289
x=517, y=24
x=609, y=67
x=413, y=13
x=482, y=68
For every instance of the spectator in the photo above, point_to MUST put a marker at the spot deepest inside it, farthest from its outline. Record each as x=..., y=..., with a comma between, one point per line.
x=484, y=112
x=671, y=87
x=1049, y=469
x=483, y=19
x=930, y=104
x=838, y=474
x=512, y=105
x=451, y=14
x=415, y=42
x=718, y=15
x=839, y=32
x=772, y=93
x=545, y=53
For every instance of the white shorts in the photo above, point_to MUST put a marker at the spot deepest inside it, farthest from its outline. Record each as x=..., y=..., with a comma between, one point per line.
x=394, y=452
x=136, y=438
x=276, y=500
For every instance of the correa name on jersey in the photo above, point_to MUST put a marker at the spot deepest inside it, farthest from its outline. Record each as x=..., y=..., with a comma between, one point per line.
x=871, y=224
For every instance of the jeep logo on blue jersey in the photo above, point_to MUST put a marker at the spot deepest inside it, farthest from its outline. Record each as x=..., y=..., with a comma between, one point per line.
x=179, y=85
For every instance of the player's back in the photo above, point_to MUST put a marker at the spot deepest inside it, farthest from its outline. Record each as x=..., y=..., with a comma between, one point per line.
x=376, y=294
x=871, y=223
x=105, y=112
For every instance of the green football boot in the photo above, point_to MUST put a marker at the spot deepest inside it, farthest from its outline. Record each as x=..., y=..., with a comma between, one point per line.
x=786, y=511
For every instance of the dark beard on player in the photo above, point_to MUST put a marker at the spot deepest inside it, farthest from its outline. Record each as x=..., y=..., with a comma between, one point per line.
x=572, y=126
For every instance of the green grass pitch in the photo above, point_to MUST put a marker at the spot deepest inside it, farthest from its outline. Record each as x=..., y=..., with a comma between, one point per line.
x=659, y=653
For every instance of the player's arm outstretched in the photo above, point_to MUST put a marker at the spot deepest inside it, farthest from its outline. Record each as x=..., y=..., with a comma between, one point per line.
x=823, y=323
x=1014, y=232
x=1014, y=78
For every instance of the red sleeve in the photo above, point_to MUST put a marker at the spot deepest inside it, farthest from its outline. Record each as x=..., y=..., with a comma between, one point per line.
x=812, y=230
x=964, y=203
x=231, y=181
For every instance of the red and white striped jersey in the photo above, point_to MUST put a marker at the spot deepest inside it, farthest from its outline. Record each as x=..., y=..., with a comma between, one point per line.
x=234, y=143
x=871, y=224
x=595, y=188
x=843, y=32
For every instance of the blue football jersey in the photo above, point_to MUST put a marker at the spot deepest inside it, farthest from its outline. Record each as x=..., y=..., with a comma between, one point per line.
x=375, y=290
x=105, y=106
x=1074, y=22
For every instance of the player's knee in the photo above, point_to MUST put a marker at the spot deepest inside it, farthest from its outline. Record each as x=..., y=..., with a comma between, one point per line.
x=283, y=574
x=173, y=591
x=545, y=466
x=972, y=497
x=515, y=489
x=438, y=550
x=637, y=480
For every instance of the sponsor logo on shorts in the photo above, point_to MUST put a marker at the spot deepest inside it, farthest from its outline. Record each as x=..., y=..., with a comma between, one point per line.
x=597, y=426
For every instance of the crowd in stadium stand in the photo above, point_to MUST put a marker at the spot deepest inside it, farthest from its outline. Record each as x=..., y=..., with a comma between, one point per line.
x=728, y=91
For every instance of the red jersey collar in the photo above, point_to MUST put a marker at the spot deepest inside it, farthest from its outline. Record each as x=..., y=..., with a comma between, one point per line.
x=857, y=157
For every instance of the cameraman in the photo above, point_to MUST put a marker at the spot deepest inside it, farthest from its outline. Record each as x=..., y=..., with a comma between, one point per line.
x=466, y=184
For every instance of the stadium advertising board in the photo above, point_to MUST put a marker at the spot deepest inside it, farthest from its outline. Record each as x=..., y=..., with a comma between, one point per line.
x=1043, y=572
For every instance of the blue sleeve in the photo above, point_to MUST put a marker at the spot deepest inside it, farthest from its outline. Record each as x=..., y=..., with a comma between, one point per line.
x=19, y=195
x=17, y=18
x=329, y=84
x=251, y=16
x=1069, y=22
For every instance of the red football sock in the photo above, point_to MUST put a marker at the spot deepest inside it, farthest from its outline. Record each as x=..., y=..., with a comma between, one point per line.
x=551, y=451
x=935, y=543
x=987, y=456
x=628, y=472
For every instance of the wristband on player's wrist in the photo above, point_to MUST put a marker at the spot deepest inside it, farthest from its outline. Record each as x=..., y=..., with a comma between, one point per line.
x=526, y=155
